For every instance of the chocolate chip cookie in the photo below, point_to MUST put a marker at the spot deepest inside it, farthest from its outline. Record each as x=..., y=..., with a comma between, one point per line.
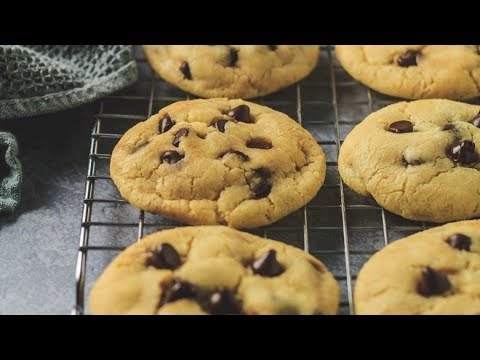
x=213, y=270
x=233, y=71
x=418, y=159
x=436, y=271
x=415, y=71
x=218, y=161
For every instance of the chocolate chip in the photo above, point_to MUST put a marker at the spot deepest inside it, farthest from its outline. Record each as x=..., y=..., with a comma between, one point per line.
x=185, y=69
x=165, y=124
x=402, y=126
x=476, y=121
x=171, y=157
x=272, y=47
x=432, y=283
x=258, y=183
x=179, y=289
x=463, y=153
x=181, y=133
x=233, y=57
x=459, y=241
x=241, y=113
x=409, y=58
x=448, y=127
x=164, y=257
x=259, y=144
x=267, y=265
x=221, y=303
x=478, y=49
x=236, y=152
x=220, y=124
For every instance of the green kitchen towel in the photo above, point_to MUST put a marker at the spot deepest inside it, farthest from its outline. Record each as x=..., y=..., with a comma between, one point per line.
x=40, y=79
x=10, y=174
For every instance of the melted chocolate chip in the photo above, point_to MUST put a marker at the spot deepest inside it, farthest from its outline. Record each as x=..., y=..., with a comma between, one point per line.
x=221, y=303
x=241, y=113
x=181, y=133
x=171, y=157
x=478, y=49
x=402, y=126
x=476, y=121
x=258, y=183
x=165, y=124
x=447, y=127
x=233, y=57
x=272, y=47
x=432, y=283
x=463, y=153
x=179, y=289
x=220, y=124
x=267, y=265
x=459, y=241
x=236, y=152
x=185, y=69
x=164, y=257
x=409, y=58
x=259, y=144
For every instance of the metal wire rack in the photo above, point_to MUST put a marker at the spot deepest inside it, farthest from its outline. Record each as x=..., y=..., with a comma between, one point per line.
x=338, y=227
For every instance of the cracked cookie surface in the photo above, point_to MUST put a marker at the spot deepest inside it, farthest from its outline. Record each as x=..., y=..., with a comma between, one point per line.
x=415, y=71
x=218, y=161
x=436, y=271
x=214, y=270
x=233, y=71
x=418, y=159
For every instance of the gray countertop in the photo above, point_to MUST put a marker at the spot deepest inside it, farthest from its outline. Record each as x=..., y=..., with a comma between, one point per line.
x=38, y=246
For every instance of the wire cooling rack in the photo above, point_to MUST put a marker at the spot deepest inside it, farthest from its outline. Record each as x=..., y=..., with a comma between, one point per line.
x=338, y=227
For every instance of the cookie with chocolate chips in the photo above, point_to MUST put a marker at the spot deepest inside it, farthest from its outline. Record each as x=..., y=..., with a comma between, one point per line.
x=233, y=71
x=419, y=159
x=218, y=161
x=431, y=272
x=214, y=270
x=415, y=71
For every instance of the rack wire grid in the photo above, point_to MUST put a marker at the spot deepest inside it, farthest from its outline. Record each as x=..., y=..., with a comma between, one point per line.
x=340, y=228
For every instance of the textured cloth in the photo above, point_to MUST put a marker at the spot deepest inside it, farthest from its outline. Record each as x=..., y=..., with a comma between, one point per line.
x=10, y=174
x=39, y=79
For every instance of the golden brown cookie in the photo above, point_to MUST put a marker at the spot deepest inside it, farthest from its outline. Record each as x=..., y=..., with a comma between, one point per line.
x=214, y=270
x=436, y=271
x=218, y=161
x=418, y=159
x=233, y=71
x=415, y=71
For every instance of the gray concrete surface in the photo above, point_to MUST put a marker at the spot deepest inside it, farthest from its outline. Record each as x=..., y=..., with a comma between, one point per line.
x=38, y=245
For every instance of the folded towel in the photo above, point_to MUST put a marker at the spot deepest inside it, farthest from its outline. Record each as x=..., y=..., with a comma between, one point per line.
x=39, y=79
x=10, y=174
